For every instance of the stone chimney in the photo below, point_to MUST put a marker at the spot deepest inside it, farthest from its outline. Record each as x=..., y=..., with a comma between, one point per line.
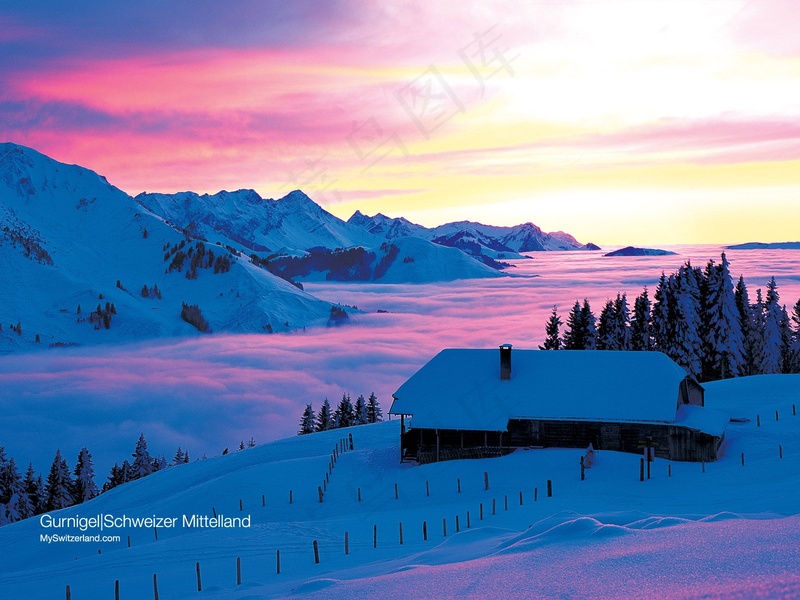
x=505, y=362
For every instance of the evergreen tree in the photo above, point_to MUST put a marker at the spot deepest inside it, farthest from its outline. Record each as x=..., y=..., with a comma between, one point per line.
x=606, y=328
x=772, y=359
x=307, y=421
x=374, y=414
x=660, y=316
x=59, y=485
x=13, y=498
x=758, y=324
x=574, y=334
x=142, y=461
x=687, y=349
x=552, y=340
x=325, y=417
x=251, y=443
x=85, y=488
x=723, y=340
x=345, y=415
x=786, y=341
x=361, y=415
x=34, y=490
x=641, y=329
x=622, y=323
x=588, y=323
x=742, y=300
x=179, y=458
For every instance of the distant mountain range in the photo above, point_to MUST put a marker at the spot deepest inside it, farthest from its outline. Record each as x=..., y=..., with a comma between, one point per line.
x=85, y=262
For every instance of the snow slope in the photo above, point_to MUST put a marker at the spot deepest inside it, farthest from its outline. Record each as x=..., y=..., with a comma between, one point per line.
x=715, y=530
x=68, y=236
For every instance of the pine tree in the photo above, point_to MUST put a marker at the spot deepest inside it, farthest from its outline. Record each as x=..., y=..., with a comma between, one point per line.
x=723, y=341
x=742, y=300
x=786, y=341
x=179, y=458
x=622, y=323
x=345, y=416
x=34, y=490
x=361, y=417
x=142, y=461
x=59, y=485
x=660, y=315
x=771, y=359
x=251, y=443
x=552, y=340
x=13, y=498
x=588, y=323
x=85, y=488
x=325, y=417
x=374, y=414
x=758, y=323
x=574, y=334
x=606, y=329
x=641, y=329
x=307, y=421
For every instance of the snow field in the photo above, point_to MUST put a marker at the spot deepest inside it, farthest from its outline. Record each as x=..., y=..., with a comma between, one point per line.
x=694, y=533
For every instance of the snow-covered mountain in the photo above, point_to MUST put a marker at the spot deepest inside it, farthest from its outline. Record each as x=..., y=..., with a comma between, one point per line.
x=86, y=263
x=246, y=221
x=473, y=238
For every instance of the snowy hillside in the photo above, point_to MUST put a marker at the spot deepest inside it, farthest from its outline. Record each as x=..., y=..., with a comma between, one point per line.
x=724, y=529
x=70, y=239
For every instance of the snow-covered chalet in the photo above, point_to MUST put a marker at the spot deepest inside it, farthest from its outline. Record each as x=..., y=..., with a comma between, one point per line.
x=473, y=404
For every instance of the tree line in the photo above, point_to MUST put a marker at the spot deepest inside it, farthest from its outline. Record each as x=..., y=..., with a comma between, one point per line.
x=345, y=415
x=698, y=318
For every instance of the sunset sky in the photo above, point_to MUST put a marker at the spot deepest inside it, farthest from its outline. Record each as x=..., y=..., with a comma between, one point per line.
x=640, y=121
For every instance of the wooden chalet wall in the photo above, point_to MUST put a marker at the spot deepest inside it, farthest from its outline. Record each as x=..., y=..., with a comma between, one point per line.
x=671, y=442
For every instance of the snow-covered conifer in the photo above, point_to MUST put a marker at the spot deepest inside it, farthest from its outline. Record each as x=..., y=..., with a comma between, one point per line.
x=345, y=415
x=622, y=323
x=59, y=485
x=641, y=329
x=85, y=487
x=142, y=461
x=552, y=340
x=660, y=315
x=771, y=358
x=360, y=414
x=588, y=323
x=573, y=335
x=374, y=414
x=724, y=340
x=606, y=329
x=325, y=417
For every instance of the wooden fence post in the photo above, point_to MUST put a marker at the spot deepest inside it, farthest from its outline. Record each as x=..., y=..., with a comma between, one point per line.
x=214, y=511
x=401, y=533
x=780, y=451
x=485, y=480
x=374, y=536
x=459, y=485
x=703, y=466
x=316, y=552
x=197, y=570
x=758, y=420
x=520, y=498
x=742, y=458
x=776, y=415
x=427, y=489
x=444, y=527
x=116, y=589
x=346, y=543
x=359, y=494
x=794, y=410
x=263, y=500
x=457, y=527
x=155, y=533
x=396, y=495
x=69, y=593
x=494, y=506
x=549, y=488
x=468, y=523
x=129, y=541
x=238, y=570
x=319, y=489
x=277, y=562
x=350, y=436
x=583, y=470
x=481, y=513
x=536, y=494
x=641, y=469
x=155, y=587
x=290, y=496
x=425, y=531
x=669, y=470
x=241, y=507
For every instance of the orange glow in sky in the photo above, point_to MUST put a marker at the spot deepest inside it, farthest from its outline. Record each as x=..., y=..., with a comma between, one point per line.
x=640, y=122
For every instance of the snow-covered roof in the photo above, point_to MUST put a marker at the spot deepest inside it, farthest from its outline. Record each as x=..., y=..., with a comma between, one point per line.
x=462, y=389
